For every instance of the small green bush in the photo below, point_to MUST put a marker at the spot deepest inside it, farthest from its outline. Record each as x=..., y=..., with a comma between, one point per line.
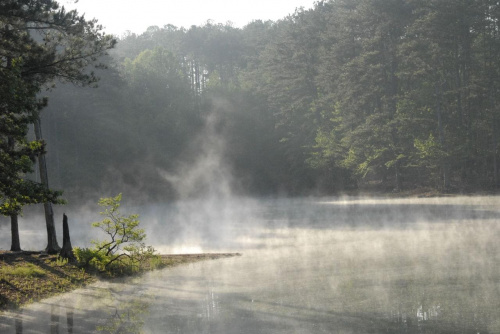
x=124, y=251
x=88, y=257
x=156, y=262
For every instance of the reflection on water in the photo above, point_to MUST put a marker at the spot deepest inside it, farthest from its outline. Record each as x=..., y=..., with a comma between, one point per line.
x=128, y=318
x=345, y=266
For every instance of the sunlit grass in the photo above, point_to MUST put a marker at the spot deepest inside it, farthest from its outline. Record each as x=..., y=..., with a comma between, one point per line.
x=26, y=278
x=25, y=270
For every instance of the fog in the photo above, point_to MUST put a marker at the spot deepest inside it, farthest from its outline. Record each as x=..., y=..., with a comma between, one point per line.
x=196, y=126
x=341, y=264
x=310, y=265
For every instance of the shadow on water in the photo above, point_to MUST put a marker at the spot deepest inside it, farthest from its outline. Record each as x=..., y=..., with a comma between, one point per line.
x=254, y=316
x=120, y=314
x=371, y=216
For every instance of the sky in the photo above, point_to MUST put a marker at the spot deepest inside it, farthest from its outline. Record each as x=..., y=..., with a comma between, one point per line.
x=119, y=16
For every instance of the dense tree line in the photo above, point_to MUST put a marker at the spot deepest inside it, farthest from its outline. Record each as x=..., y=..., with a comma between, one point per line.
x=412, y=95
x=351, y=93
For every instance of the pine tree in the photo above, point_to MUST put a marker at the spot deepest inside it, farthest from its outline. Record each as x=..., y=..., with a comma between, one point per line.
x=46, y=43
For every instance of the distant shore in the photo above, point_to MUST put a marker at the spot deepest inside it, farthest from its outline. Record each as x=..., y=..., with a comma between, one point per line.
x=375, y=191
x=29, y=276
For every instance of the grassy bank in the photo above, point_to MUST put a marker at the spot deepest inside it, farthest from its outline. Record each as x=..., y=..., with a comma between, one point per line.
x=27, y=277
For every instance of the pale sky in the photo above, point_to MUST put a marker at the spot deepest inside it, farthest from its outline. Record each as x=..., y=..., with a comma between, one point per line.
x=118, y=16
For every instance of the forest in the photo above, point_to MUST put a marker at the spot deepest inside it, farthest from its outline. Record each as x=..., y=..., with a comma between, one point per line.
x=387, y=95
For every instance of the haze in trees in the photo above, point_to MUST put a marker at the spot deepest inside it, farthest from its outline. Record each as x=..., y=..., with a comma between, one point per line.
x=349, y=94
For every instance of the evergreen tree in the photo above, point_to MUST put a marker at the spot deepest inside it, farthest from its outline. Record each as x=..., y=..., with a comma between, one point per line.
x=48, y=43
x=289, y=69
x=18, y=108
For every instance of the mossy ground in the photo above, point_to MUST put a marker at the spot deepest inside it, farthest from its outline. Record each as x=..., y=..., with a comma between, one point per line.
x=27, y=277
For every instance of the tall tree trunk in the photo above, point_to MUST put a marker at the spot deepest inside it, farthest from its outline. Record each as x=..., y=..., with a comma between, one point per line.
x=393, y=91
x=14, y=227
x=197, y=78
x=399, y=180
x=444, y=163
x=495, y=149
x=52, y=246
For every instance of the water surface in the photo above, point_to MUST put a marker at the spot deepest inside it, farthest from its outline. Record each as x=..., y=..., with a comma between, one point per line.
x=347, y=265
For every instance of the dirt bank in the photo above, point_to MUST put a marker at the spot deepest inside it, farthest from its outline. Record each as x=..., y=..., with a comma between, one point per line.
x=27, y=277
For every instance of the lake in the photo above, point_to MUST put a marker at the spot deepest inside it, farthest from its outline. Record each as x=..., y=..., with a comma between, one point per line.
x=316, y=265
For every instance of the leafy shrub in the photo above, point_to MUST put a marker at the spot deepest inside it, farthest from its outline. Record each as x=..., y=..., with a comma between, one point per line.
x=124, y=250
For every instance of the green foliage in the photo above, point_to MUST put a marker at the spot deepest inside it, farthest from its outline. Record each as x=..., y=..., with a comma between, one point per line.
x=61, y=261
x=65, y=43
x=155, y=262
x=124, y=250
x=39, y=42
x=429, y=151
x=18, y=109
x=346, y=89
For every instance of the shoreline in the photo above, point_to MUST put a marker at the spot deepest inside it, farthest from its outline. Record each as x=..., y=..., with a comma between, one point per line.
x=29, y=276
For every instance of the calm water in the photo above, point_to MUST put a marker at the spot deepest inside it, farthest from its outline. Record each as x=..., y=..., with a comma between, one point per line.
x=308, y=266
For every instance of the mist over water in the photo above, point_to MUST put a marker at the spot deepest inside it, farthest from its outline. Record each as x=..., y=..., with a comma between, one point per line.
x=349, y=265
x=308, y=265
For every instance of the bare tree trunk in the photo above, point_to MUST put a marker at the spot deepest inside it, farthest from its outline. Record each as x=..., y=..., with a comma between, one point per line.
x=52, y=246
x=444, y=162
x=67, y=249
x=14, y=227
